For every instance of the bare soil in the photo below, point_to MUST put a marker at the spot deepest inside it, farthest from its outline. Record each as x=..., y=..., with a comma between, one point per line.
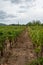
x=22, y=51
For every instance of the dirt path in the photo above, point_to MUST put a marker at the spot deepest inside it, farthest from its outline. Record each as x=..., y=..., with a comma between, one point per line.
x=23, y=52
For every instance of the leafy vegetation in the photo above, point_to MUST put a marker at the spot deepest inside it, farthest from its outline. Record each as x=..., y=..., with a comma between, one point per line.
x=39, y=61
x=9, y=33
x=36, y=34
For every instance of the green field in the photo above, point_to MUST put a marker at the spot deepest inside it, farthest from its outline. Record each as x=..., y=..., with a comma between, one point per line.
x=9, y=33
x=36, y=35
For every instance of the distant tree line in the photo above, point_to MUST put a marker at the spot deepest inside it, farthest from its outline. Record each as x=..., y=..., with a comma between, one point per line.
x=37, y=22
x=34, y=23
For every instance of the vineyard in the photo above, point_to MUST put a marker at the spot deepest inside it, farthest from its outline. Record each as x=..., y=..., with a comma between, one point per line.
x=8, y=36
x=36, y=34
x=23, y=45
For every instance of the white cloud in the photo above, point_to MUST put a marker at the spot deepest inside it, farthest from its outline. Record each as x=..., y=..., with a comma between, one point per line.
x=25, y=10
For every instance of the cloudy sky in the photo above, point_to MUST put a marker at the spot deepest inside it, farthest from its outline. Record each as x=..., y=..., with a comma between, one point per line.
x=22, y=11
